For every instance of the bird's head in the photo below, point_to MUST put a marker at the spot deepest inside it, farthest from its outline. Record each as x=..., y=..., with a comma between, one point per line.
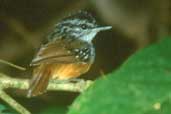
x=80, y=25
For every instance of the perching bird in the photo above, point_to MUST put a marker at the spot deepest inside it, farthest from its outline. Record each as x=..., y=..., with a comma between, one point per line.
x=68, y=54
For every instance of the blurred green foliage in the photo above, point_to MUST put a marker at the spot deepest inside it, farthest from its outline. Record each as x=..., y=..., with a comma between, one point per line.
x=6, y=110
x=2, y=108
x=141, y=86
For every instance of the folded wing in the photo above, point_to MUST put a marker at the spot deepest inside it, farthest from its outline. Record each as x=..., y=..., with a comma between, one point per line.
x=60, y=51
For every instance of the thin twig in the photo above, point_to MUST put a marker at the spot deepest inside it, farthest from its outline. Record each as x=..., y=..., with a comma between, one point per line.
x=12, y=65
x=14, y=104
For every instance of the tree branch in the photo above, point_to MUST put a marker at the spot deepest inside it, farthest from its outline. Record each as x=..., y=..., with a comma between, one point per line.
x=8, y=82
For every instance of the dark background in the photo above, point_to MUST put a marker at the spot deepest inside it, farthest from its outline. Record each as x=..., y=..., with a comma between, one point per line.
x=24, y=24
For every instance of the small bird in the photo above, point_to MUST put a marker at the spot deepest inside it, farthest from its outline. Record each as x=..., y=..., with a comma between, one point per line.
x=68, y=53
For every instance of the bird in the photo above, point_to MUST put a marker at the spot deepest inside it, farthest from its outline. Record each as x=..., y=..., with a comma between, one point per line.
x=68, y=53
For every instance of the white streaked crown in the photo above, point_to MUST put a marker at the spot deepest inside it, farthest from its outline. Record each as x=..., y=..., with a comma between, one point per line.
x=80, y=25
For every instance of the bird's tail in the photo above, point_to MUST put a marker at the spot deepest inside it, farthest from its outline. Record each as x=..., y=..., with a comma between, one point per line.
x=39, y=82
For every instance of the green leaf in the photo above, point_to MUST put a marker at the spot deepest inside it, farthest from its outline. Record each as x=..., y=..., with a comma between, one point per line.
x=141, y=86
x=6, y=110
x=2, y=107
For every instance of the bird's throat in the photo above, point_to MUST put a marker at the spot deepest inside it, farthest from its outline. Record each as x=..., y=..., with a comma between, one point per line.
x=89, y=37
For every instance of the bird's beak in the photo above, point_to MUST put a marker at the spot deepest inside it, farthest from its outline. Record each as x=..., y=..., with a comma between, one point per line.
x=102, y=28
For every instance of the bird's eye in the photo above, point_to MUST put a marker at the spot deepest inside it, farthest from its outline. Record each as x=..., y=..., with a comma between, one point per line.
x=83, y=26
